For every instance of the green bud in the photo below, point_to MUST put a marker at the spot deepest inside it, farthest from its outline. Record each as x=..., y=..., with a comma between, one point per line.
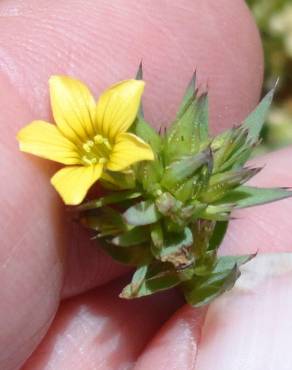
x=221, y=183
x=180, y=171
x=142, y=213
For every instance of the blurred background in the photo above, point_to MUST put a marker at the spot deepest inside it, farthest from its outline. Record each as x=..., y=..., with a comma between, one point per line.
x=274, y=18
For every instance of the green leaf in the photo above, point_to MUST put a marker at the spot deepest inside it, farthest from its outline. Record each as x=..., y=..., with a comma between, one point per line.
x=188, y=96
x=137, y=235
x=253, y=124
x=139, y=73
x=238, y=159
x=185, y=191
x=149, y=175
x=137, y=280
x=201, y=180
x=248, y=196
x=234, y=140
x=221, y=183
x=202, y=290
x=176, y=249
x=142, y=129
x=105, y=220
x=134, y=256
x=142, y=213
x=190, y=129
x=157, y=235
x=203, y=116
x=179, y=171
x=228, y=262
x=202, y=231
x=217, y=212
x=139, y=76
x=109, y=199
x=161, y=278
x=218, y=235
x=256, y=119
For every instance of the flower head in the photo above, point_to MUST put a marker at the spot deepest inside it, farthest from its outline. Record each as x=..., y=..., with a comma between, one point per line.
x=89, y=137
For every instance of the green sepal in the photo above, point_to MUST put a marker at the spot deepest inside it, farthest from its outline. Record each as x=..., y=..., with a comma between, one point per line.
x=248, y=196
x=157, y=278
x=184, y=191
x=137, y=280
x=202, y=290
x=149, y=174
x=255, y=121
x=203, y=116
x=105, y=221
x=233, y=143
x=141, y=128
x=221, y=183
x=181, y=170
x=142, y=213
x=253, y=125
x=139, y=76
x=137, y=235
x=147, y=133
x=239, y=158
x=188, y=97
x=118, y=180
x=157, y=235
x=139, y=73
x=190, y=128
x=202, y=232
x=201, y=180
x=228, y=262
x=217, y=212
x=109, y=199
x=218, y=235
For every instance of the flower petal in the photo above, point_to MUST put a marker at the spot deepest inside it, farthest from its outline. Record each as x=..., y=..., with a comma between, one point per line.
x=45, y=140
x=73, y=108
x=117, y=107
x=127, y=150
x=73, y=183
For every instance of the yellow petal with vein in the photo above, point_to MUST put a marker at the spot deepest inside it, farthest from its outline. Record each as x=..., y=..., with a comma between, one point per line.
x=73, y=108
x=73, y=183
x=117, y=107
x=127, y=150
x=45, y=140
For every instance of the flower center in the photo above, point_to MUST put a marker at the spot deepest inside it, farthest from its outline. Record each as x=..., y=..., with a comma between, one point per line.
x=96, y=150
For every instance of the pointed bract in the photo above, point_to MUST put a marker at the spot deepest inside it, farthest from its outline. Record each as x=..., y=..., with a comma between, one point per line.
x=255, y=121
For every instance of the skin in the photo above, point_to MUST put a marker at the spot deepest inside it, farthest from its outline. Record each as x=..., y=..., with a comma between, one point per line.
x=45, y=257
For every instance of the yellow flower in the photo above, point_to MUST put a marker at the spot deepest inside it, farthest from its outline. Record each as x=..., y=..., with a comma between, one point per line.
x=89, y=137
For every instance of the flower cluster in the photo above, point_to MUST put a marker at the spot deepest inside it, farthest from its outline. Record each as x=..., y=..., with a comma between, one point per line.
x=166, y=199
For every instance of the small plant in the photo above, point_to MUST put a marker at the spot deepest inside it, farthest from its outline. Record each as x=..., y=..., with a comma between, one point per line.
x=166, y=198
